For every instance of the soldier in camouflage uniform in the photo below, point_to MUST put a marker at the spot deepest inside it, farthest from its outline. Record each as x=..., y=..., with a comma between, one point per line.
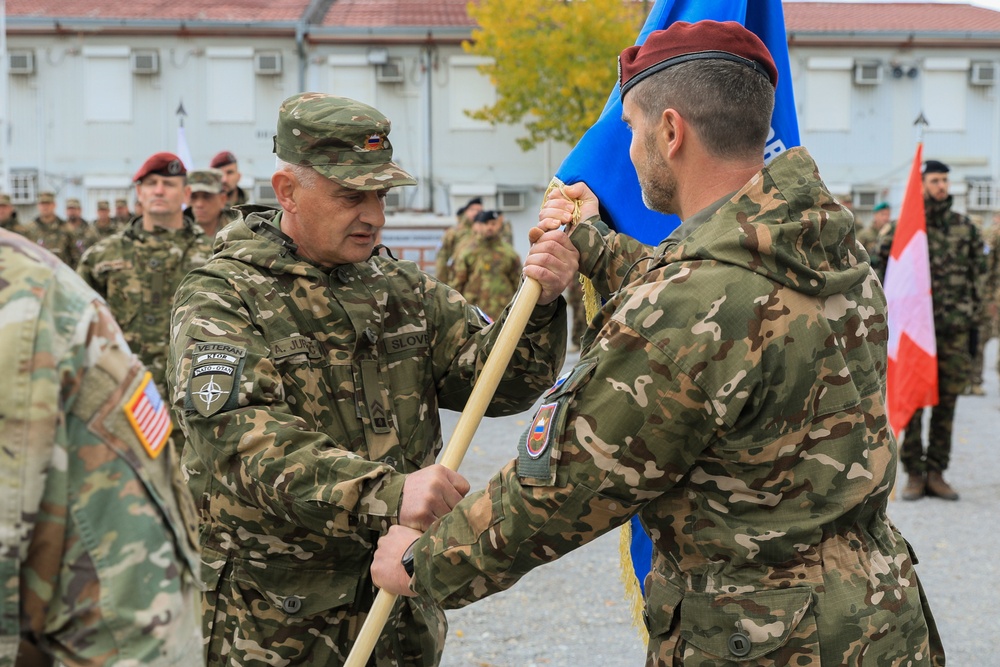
x=104, y=224
x=8, y=215
x=958, y=272
x=208, y=201
x=869, y=236
x=732, y=394
x=122, y=216
x=98, y=529
x=309, y=373
x=84, y=235
x=50, y=231
x=138, y=270
x=487, y=271
x=225, y=162
x=453, y=238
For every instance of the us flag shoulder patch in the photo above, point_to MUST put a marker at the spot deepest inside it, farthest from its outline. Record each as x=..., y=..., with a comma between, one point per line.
x=149, y=416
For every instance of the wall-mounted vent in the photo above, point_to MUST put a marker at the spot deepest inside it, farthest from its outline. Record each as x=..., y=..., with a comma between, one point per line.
x=510, y=200
x=145, y=62
x=390, y=71
x=21, y=61
x=983, y=74
x=263, y=193
x=867, y=73
x=267, y=63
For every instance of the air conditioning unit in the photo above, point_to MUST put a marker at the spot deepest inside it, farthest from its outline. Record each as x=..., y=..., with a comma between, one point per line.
x=983, y=74
x=865, y=200
x=263, y=193
x=390, y=71
x=394, y=200
x=867, y=73
x=510, y=200
x=267, y=63
x=21, y=61
x=145, y=62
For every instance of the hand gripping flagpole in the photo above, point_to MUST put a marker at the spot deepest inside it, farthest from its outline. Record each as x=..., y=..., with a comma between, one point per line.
x=475, y=408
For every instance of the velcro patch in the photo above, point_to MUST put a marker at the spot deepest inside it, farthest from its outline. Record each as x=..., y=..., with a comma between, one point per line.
x=149, y=416
x=533, y=449
x=215, y=370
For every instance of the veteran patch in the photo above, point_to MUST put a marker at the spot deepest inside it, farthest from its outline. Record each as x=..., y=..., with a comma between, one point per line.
x=215, y=372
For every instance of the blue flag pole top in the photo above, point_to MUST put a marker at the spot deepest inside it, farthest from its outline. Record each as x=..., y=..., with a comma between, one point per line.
x=601, y=158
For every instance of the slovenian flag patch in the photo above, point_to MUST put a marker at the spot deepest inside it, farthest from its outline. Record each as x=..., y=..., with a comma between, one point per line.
x=541, y=428
x=149, y=416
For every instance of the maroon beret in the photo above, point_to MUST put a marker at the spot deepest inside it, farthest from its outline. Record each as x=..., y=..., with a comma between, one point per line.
x=164, y=164
x=221, y=159
x=684, y=42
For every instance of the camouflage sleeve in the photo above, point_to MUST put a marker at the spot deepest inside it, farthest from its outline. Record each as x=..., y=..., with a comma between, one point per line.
x=462, y=342
x=443, y=257
x=458, y=272
x=883, y=246
x=979, y=265
x=593, y=455
x=605, y=255
x=85, y=269
x=251, y=440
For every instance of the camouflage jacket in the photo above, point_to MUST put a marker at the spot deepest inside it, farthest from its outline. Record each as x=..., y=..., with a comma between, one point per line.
x=111, y=229
x=958, y=266
x=56, y=237
x=99, y=543
x=733, y=395
x=84, y=236
x=487, y=272
x=445, y=259
x=308, y=393
x=137, y=272
x=11, y=223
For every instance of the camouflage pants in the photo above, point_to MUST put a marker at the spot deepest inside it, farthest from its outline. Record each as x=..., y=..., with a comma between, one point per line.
x=246, y=622
x=953, y=374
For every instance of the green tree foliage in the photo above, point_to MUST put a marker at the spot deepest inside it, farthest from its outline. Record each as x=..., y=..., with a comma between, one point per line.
x=554, y=61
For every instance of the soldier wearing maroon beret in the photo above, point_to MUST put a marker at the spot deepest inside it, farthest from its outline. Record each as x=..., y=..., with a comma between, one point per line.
x=730, y=393
x=226, y=163
x=137, y=271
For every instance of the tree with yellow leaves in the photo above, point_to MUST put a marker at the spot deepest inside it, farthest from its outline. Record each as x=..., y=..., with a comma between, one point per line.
x=554, y=61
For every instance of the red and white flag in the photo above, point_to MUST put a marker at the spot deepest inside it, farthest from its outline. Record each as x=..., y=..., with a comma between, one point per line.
x=912, y=381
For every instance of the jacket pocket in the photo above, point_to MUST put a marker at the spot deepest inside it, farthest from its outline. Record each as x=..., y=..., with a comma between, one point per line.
x=725, y=628
x=284, y=595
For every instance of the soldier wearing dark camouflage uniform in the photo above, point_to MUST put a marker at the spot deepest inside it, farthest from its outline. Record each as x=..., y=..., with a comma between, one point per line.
x=138, y=270
x=84, y=235
x=208, y=201
x=869, y=236
x=104, y=224
x=958, y=271
x=8, y=215
x=99, y=544
x=731, y=392
x=50, y=231
x=226, y=162
x=487, y=271
x=122, y=215
x=453, y=238
x=309, y=373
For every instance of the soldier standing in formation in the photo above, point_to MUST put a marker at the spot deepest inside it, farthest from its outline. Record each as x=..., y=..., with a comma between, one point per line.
x=138, y=270
x=104, y=224
x=869, y=236
x=99, y=537
x=50, y=231
x=225, y=162
x=958, y=271
x=309, y=373
x=208, y=201
x=732, y=394
x=8, y=215
x=453, y=239
x=84, y=235
x=487, y=269
x=123, y=216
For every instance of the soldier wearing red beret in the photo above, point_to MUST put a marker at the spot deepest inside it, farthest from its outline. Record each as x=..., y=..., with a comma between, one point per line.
x=226, y=163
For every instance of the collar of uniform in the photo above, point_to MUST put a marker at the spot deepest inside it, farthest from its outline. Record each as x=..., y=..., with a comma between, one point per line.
x=688, y=227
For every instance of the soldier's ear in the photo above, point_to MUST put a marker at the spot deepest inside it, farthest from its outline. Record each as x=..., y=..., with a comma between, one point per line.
x=284, y=184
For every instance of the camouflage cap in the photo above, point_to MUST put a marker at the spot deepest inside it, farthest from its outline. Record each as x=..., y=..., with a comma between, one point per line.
x=102, y=205
x=46, y=197
x=344, y=140
x=121, y=202
x=205, y=180
x=73, y=202
x=4, y=200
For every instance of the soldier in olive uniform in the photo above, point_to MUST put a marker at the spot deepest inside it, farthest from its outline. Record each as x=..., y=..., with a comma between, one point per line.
x=453, y=238
x=84, y=235
x=99, y=545
x=138, y=270
x=309, y=373
x=731, y=393
x=122, y=215
x=225, y=162
x=487, y=271
x=208, y=201
x=958, y=273
x=104, y=224
x=8, y=215
x=50, y=231
x=869, y=236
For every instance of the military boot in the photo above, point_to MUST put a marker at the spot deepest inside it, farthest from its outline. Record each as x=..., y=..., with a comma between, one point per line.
x=936, y=486
x=915, y=486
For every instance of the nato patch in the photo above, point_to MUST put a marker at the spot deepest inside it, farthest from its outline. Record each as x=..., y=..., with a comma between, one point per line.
x=215, y=370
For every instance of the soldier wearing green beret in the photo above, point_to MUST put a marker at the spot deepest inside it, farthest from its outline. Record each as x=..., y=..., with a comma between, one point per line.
x=868, y=236
x=731, y=393
x=50, y=231
x=309, y=371
x=100, y=553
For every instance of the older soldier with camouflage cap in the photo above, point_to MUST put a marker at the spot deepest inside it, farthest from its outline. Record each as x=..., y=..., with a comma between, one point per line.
x=208, y=201
x=99, y=545
x=731, y=393
x=309, y=371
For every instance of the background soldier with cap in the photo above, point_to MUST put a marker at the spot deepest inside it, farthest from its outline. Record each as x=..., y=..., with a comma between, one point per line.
x=208, y=201
x=8, y=215
x=84, y=235
x=50, y=231
x=731, y=392
x=309, y=373
x=868, y=236
x=98, y=528
x=958, y=271
x=138, y=270
x=225, y=162
x=104, y=224
x=453, y=238
x=487, y=269
x=122, y=216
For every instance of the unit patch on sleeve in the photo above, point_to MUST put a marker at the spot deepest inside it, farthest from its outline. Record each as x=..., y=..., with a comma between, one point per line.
x=533, y=449
x=149, y=416
x=215, y=372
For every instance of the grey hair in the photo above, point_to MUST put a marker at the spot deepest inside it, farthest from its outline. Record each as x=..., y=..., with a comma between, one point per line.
x=307, y=176
x=728, y=104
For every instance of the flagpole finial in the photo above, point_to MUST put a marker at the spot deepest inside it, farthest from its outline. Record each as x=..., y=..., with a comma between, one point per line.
x=181, y=112
x=921, y=123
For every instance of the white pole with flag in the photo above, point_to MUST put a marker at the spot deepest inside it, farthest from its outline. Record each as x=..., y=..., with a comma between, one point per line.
x=183, y=151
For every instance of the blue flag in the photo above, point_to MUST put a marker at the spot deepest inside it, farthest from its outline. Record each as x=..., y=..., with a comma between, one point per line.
x=601, y=157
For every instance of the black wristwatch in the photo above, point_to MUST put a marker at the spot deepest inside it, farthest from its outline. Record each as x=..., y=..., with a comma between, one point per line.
x=407, y=559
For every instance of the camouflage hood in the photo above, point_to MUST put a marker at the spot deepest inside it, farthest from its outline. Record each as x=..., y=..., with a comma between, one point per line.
x=785, y=227
x=257, y=241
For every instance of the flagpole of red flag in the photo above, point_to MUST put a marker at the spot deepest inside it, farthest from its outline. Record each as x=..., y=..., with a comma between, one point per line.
x=912, y=377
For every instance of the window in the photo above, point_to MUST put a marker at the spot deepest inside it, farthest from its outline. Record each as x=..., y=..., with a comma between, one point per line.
x=469, y=91
x=828, y=102
x=107, y=85
x=230, y=84
x=23, y=186
x=983, y=195
x=945, y=89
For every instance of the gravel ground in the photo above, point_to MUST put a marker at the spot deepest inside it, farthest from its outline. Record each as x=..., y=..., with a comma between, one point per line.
x=574, y=612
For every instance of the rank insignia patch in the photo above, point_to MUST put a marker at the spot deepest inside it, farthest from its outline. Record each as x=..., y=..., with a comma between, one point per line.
x=215, y=372
x=149, y=416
